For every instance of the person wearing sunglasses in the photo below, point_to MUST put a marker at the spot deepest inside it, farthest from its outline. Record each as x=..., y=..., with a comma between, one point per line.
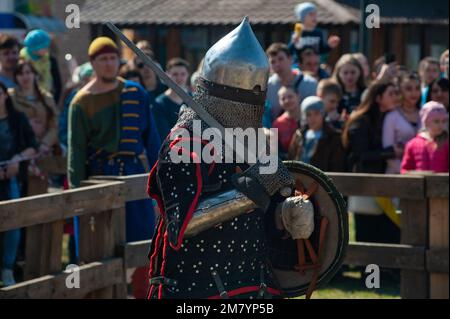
x=150, y=81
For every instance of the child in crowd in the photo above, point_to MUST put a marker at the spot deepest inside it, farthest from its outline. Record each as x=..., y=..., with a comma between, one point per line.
x=307, y=33
x=428, y=151
x=288, y=122
x=330, y=92
x=317, y=143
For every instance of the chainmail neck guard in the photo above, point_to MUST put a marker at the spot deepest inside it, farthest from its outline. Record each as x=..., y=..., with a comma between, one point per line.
x=228, y=113
x=232, y=115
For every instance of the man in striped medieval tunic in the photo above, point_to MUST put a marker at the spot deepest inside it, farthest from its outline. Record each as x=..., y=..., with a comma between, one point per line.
x=110, y=127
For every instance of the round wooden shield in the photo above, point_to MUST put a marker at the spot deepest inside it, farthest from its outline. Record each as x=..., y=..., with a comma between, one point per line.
x=300, y=266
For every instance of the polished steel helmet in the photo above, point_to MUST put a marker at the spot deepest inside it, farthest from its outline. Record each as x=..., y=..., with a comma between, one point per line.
x=237, y=61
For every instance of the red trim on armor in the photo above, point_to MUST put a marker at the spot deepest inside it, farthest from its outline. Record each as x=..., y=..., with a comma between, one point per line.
x=198, y=174
x=161, y=222
x=163, y=264
x=150, y=176
x=150, y=294
x=155, y=253
x=153, y=195
x=153, y=256
x=193, y=204
x=192, y=207
x=245, y=290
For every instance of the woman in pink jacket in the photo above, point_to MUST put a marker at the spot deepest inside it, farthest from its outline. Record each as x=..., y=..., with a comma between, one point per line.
x=428, y=151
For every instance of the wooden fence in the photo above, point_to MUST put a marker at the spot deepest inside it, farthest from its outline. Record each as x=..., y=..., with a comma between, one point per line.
x=422, y=255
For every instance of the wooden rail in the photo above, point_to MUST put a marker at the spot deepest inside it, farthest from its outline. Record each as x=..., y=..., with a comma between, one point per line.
x=422, y=256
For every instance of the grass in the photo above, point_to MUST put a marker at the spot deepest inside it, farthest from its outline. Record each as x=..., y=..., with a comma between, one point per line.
x=349, y=285
x=351, y=227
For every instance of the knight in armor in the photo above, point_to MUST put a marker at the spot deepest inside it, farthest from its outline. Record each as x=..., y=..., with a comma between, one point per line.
x=229, y=260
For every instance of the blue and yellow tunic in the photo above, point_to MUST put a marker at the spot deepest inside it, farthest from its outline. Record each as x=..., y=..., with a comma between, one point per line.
x=107, y=133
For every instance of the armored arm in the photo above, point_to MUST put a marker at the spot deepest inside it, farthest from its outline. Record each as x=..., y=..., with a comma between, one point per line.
x=295, y=213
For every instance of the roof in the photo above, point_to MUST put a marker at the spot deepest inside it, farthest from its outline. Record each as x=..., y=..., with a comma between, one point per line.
x=209, y=12
x=18, y=21
x=48, y=24
x=407, y=11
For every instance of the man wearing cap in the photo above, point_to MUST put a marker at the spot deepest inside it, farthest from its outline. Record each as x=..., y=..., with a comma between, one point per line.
x=110, y=125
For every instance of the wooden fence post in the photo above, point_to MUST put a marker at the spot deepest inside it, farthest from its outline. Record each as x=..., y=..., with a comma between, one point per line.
x=437, y=257
x=134, y=189
x=100, y=236
x=43, y=249
x=119, y=219
x=414, y=231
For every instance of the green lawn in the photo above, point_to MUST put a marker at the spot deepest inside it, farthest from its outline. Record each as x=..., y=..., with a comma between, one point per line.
x=350, y=286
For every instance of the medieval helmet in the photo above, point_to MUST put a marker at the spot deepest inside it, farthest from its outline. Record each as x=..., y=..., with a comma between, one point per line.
x=236, y=67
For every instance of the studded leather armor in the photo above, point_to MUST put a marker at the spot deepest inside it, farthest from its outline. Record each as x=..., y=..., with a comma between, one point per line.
x=229, y=260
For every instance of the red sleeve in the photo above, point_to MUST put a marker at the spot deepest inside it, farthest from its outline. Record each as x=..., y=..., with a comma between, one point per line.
x=446, y=158
x=284, y=133
x=408, y=161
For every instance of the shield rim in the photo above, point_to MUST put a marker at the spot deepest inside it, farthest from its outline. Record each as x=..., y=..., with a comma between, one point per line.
x=343, y=234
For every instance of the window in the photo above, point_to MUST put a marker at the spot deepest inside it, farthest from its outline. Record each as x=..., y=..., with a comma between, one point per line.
x=194, y=43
